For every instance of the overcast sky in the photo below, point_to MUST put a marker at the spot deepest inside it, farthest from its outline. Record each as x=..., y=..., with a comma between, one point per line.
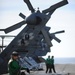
x=62, y=19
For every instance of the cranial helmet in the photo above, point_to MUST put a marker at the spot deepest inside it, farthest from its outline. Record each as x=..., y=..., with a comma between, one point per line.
x=15, y=53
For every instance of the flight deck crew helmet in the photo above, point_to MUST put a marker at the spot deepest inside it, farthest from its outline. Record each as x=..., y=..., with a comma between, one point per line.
x=15, y=53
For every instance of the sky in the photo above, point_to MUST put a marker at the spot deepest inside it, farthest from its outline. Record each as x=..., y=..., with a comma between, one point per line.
x=62, y=19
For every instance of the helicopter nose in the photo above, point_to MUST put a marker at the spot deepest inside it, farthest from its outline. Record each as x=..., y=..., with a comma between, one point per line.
x=33, y=20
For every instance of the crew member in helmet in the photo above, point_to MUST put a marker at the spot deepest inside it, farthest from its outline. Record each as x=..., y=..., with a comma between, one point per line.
x=13, y=65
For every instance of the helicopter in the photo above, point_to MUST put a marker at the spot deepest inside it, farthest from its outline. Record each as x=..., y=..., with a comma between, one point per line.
x=34, y=40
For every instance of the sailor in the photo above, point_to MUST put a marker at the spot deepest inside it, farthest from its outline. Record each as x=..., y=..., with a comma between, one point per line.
x=52, y=64
x=27, y=37
x=48, y=64
x=22, y=42
x=13, y=65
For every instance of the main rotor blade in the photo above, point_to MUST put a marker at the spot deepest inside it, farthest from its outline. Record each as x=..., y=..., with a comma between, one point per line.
x=29, y=5
x=58, y=32
x=1, y=29
x=55, y=38
x=54, y=7
x=46, y=36
x=14, y=27
x=22, y=15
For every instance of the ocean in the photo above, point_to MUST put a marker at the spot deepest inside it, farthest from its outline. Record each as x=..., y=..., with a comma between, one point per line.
x=64, y=60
